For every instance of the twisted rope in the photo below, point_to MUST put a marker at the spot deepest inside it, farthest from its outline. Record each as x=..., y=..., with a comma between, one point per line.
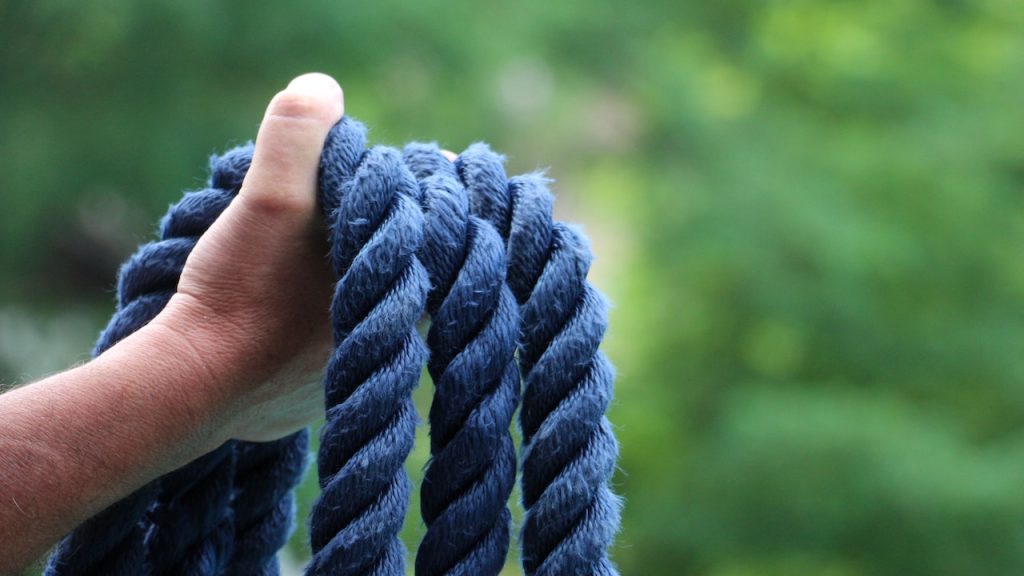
x=376, y=229
x=569, y=449
x=475, y=260
x=192, y=527
x=472, y=341
x=114, y=542
x=266, y=475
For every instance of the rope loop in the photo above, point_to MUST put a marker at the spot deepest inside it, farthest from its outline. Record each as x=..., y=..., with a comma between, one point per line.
x=512, y=318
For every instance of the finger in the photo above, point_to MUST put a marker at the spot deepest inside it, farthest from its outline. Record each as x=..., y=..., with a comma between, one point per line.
x=284, y=165
x=451, y=156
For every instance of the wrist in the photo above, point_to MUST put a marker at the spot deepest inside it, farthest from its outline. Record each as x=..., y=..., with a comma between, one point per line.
x=186, y=391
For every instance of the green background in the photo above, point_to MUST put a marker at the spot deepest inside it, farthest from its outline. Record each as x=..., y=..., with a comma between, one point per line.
x=809, y=216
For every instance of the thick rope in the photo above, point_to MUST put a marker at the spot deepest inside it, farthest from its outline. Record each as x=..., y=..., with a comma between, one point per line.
x=266, y=475
x=569, y=449
x=472, y=341
x=113, y=541
x=229, y=511
x=192, y=527
x=376, y=229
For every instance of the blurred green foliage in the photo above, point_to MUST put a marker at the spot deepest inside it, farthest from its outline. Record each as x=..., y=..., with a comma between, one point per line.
x=808, y=214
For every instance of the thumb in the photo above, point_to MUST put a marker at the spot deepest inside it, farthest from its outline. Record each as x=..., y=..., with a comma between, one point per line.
x=283, y=174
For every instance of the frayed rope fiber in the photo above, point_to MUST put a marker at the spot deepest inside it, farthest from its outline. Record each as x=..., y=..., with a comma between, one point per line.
x=505, y=288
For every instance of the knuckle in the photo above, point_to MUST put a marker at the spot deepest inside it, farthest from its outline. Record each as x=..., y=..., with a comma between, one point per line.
x=280, y=203
x=294, y=105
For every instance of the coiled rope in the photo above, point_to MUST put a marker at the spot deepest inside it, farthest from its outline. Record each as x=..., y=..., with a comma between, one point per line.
x=409, y=233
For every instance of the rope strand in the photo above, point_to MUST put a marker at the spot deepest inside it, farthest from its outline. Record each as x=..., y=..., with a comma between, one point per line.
x=266, y=473
x=376, y=229
x=472, y=339
x=569, y=450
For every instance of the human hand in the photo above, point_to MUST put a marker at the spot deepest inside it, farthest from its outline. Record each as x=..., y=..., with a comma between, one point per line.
x=250, y=315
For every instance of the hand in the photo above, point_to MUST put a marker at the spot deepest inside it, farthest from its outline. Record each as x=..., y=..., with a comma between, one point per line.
x=235, y=354
x=251, y=310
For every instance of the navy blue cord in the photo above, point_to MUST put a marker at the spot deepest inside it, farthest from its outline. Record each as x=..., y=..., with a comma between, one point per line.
x=476, y=250
x=472, y=341
x=265, y=473
x=569, y=449
x=375, y=230
x=263, y=503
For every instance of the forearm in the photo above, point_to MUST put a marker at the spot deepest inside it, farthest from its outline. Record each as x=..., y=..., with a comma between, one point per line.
x=76, y=442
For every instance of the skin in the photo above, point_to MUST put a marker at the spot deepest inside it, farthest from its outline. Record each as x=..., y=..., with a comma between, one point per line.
x=236, y=354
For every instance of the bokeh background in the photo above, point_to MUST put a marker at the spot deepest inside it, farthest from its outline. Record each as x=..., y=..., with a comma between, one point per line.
x=809, y=215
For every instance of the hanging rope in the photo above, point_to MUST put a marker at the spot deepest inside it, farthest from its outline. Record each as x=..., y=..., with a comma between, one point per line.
x=266, y=473
x=375, y=229
x=409, y=232
x=264, y=502
x=472, y=340
x=569, y=449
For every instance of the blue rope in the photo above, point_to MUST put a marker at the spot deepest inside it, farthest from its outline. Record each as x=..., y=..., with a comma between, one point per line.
x=408, y=233
x=376, y=229
x=113, y=541
x=191, y=525
x=569, y=451
x=472, y=341
x=264, y=501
